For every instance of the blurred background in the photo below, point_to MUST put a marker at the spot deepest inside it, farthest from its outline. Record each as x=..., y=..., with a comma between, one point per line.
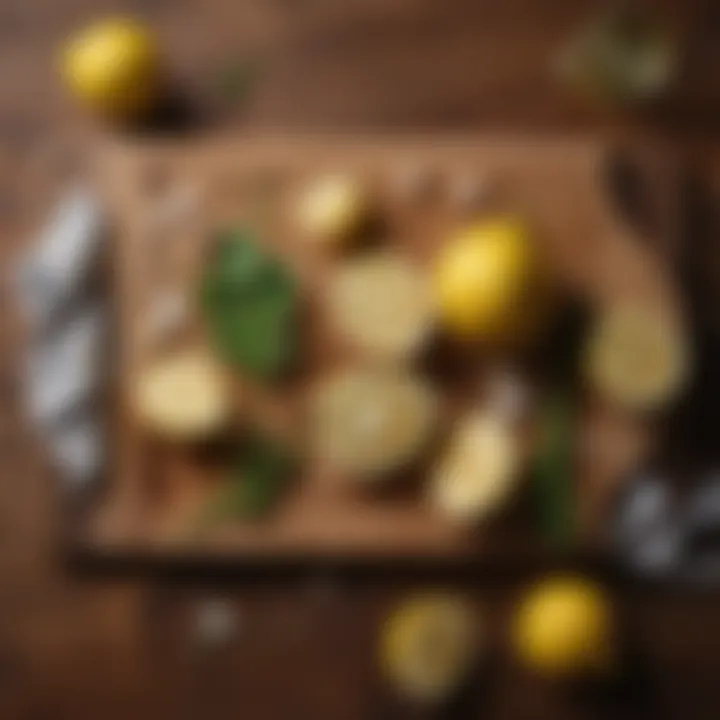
x=90, y=642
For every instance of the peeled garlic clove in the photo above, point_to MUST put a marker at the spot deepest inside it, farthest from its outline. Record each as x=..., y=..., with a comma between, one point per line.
x=182, y=397
x=637, y=357
x=381, y=303
x=479, y=471
x=333, y=209
x=368, y=421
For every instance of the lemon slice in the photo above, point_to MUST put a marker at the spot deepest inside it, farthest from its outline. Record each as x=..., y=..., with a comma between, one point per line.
x=367, y=421
x=333, y=209
x=429, y=645
x=183, y=397
x=637, y=356
x=479, y=471
x=382, y=303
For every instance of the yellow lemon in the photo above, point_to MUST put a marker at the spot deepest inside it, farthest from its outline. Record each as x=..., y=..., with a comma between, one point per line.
x=485, y=278
x=564, y=626
x=114, y=68
x=428, y=646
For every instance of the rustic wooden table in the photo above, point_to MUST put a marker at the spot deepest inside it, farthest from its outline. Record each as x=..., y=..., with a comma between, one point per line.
x=73, y=645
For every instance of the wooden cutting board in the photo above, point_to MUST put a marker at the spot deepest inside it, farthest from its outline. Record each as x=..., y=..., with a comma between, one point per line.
x=153, y=491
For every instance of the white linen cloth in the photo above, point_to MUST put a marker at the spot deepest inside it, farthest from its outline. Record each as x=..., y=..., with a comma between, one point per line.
x=61, y=294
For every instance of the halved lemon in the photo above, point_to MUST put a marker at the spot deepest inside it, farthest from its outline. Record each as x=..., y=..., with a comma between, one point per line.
x=638, y=356
x=429, y=645
x=381, y=303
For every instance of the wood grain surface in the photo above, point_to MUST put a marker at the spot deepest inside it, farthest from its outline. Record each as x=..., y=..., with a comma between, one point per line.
x=76, y=646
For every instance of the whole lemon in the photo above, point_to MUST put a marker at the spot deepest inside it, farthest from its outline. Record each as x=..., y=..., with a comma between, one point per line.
x=564, y=626
x=485, y=279
x=114, y=68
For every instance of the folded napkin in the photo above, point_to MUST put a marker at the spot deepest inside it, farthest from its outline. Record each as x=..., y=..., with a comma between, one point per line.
x=60, y=292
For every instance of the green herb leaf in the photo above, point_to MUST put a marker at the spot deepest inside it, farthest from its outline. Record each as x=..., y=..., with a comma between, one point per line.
x=552, y=472
x=258, y=479
x=238, y=263
x=263, y=468
x=248, y=299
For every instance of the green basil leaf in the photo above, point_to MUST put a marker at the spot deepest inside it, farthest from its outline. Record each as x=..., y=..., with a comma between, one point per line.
x=258, y=480
x=248, y=300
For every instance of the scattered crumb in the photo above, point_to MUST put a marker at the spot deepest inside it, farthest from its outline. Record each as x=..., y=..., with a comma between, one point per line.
x=217, y=622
